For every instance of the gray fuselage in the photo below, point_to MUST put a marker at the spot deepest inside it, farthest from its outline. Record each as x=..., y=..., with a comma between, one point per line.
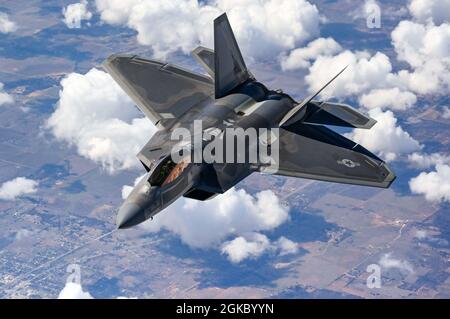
x=251, y=105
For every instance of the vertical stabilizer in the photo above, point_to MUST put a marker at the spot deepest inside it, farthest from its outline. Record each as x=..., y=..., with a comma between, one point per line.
x=230, y=68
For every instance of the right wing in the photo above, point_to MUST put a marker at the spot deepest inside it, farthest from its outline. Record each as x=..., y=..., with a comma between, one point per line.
x=160, y=90
x=316, y=152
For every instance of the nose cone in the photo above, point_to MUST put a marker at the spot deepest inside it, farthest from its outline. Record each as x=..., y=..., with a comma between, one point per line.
x=129, y=215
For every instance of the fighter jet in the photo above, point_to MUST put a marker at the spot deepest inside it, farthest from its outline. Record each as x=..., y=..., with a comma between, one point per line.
x=228, y=95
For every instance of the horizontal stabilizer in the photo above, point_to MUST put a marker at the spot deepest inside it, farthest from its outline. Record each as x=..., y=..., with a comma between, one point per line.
x=205, y=57
x=290, y=117
x=326, y=113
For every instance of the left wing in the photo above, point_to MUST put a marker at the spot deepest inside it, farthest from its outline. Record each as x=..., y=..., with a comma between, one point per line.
x=316, y=152
x=161, y=91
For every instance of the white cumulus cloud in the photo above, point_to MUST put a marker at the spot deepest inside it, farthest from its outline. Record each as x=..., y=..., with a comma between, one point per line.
x=421, y=234
x=206, y=224
x=386, y=137
x=393, y=98
x=435, y=185
x=5, y=98
x=100, y=120
x=301, y=58
x=286, y=246
x=22, y=234
x=389, y=262
x=421, y=160
x=430, y=11
x=6, y=25
x=253, y=245
x=74, y=290
x=364, y=73
x=242, y=248
x=235, y=214
x=263, y=27
x=16, y=187
x=426, y=48
x=446, y=112
x=75, y=13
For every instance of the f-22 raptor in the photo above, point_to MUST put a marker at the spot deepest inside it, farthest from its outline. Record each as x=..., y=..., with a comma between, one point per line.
x=229, y=95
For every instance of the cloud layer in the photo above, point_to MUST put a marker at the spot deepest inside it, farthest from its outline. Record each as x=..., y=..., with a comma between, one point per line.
x=253, y=245
x=387, y=261
x=263, y=27
x=100, y=120
x=17, y=187
x=75, y=13
x=364, y=73
x=234, y=214
x=73, y=290
x=424, y=44
x=421, y=160
x=6, y=25
x=386, y=137
x=5, y=98
x=426, y=48
x=301, y=58
x=393, y=98
x=435, y=185
x=430, y=11
x=206, y=224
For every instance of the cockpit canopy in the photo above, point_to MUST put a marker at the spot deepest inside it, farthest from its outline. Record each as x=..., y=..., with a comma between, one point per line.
x=167, y=171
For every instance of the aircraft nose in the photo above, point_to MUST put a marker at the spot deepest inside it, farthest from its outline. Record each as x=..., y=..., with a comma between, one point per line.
x=130, y=214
